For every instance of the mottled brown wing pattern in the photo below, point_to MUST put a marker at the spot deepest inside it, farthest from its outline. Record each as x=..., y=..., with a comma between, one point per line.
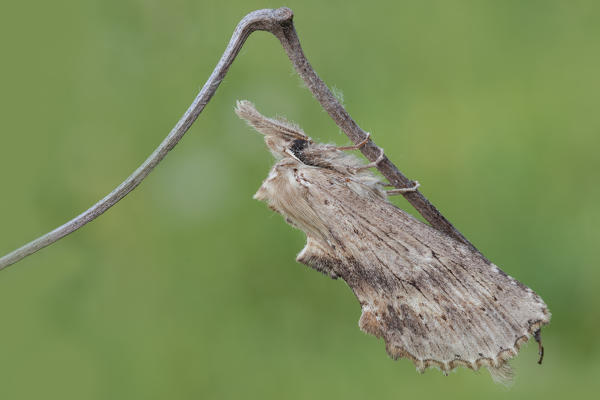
x=430, y=298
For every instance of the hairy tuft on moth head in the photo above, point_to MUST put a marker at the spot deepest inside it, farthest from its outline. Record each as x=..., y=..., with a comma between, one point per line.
x=280, y=135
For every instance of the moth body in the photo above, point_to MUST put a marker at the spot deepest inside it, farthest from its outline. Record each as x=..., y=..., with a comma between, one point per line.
x=431, y=298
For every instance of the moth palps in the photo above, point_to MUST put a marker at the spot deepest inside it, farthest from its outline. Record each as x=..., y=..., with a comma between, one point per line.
x=431, y=298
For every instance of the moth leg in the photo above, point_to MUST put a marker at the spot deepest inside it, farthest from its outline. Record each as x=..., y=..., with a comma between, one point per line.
x=374, y=163
x=415, y=186
x=356, y=146
x=538, y=338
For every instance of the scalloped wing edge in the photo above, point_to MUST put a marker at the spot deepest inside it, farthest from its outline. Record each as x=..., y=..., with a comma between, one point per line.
x=499, y=369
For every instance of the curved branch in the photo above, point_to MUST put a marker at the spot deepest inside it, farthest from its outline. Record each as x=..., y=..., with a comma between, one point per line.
x=278, y=22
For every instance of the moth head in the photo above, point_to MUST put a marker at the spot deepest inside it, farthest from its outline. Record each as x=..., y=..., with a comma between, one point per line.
x=283, y=138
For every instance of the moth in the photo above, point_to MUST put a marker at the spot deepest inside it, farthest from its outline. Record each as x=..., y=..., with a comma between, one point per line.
x=431, y=298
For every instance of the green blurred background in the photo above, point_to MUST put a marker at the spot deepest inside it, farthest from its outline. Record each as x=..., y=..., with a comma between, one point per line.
x=188, y=288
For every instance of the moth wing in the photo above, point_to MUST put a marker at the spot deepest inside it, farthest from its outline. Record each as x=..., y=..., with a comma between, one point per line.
x=431, y=298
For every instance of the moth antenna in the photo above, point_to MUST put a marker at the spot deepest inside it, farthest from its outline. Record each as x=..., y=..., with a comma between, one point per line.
x=414, y=188
x=356, y=146
x=374, y=163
